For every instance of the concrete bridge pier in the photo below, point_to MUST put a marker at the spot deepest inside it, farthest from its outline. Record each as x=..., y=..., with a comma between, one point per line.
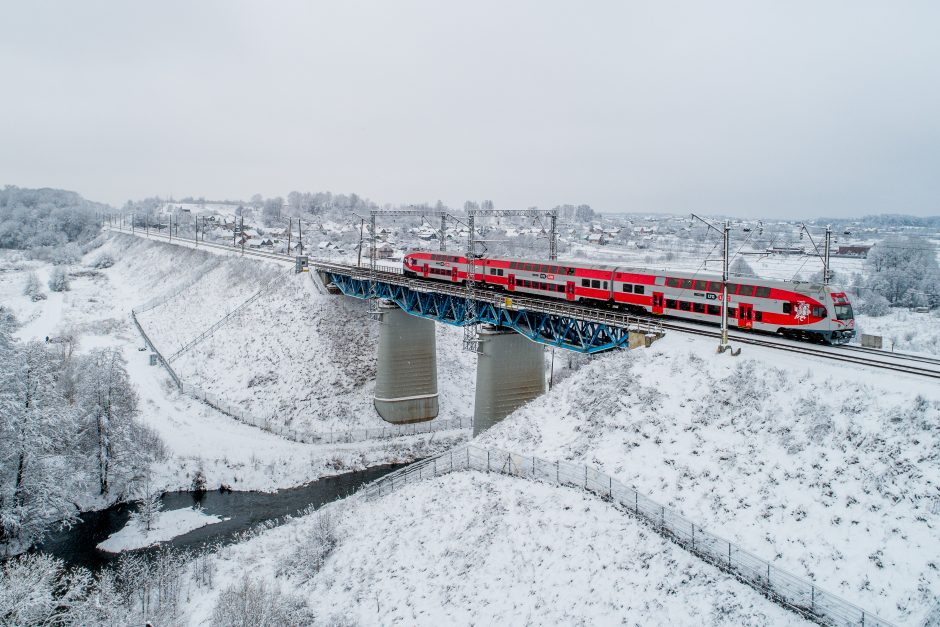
x=510, y=372
x=406, y=377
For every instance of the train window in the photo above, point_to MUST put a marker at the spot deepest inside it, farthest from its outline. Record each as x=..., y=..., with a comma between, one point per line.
x=819, y=312
x=545, y=269
x=701, y=285
x=638, y=289
x=698, y=307
x=714, y=310
x=685, y=305
x=627, y=288
x=585, y=282
x=758, y=316
x=686, y=284
x=605, y=285
x=787, y=307
x=672, y=282
x=746, y=290
x=670, y=304
x=502, y=272
x=714, y=286
x=843, y=312
x=733, y=288
x=596, y=284
x=763, y=292
x=570, y=271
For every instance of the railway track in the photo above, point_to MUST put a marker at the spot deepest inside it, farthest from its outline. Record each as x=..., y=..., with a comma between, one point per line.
x=919, y=365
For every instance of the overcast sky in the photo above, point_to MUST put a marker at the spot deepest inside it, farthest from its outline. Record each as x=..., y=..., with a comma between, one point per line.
x=793, y=109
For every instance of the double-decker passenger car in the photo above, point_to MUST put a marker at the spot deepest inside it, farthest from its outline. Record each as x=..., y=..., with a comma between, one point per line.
x=797, y=309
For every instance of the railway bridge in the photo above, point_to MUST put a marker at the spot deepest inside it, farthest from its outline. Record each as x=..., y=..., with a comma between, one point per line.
x=506, y=332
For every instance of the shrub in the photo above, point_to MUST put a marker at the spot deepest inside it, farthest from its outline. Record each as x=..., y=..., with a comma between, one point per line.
x=59, y=280
x=104, y=260
x=253, y=604
x=33, y=288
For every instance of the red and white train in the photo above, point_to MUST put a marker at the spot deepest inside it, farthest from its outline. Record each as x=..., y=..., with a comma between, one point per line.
x=804, y=310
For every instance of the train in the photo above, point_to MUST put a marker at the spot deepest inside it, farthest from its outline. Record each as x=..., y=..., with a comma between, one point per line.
x=795, y=309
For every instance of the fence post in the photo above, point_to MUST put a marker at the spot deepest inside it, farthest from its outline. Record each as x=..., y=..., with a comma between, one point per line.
x=812, y=598
x=557, y=473
x=662, y=517
x=610, y=487
x=768, y=574
x=509, y=461
x=729, y=555
x=468, y=458
x=435, y=467
x=636, y=502
x=487, y=461
x=452, y=460
x=693, y=536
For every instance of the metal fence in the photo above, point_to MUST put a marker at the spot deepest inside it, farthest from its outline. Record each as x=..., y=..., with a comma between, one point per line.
x=787, y=589
x=159, y=355
x=306, y=436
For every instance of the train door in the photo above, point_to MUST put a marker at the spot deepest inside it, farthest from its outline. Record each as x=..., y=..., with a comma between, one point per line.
x=426, y=271
x=569, y=290
x=453, y=274
x=658, y=301
x=511, y=283
x=745, y=315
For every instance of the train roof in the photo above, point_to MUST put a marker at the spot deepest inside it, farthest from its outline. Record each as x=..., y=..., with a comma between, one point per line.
x=806, y=287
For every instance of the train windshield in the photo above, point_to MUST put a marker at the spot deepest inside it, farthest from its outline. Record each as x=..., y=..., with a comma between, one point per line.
x=843, y=312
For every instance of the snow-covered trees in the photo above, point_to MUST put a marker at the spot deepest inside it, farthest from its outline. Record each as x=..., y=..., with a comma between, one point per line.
x=148, y=507
x=107, y=403
x=33, y=288
x=38, y=590
x=250, y=602
x=59, y=280
x=31, y=218
x=67, y=434
x=35, y=449
x=905, y=271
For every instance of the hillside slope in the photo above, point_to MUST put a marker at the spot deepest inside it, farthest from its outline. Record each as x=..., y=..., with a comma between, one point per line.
x=830, y=472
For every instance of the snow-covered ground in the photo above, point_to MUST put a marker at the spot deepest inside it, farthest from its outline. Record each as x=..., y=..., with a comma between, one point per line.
x=829, y=471
x=166, y=526
x=97, y=309
x=305, y=359
x=904, y=331
x=472, y=548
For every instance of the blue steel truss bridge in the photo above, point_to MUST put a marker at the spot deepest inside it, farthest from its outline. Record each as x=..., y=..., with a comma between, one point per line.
x=577, y=328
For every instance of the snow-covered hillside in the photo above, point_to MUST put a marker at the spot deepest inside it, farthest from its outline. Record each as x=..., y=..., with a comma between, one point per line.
x=830, y=472
x=472, y=548
x=95, y=311
x=304, y=358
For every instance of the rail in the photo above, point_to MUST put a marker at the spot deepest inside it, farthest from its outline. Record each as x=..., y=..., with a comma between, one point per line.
x=591, y=314
x=791, y=591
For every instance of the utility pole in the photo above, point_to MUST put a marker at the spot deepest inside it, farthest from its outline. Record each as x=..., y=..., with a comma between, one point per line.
x=725, y=233
x=241, y=229
x=724, y=283
x=300, y=236
x=443, y=229
x=553, y=244
x=826, y=249
x=290, y=228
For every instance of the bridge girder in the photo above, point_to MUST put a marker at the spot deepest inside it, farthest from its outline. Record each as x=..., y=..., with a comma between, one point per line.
x=556, y=330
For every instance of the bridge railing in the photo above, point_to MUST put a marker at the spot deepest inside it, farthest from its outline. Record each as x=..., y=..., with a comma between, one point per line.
x=791, y=591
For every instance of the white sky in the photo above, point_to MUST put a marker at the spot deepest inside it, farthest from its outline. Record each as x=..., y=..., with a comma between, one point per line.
x=792, y=109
